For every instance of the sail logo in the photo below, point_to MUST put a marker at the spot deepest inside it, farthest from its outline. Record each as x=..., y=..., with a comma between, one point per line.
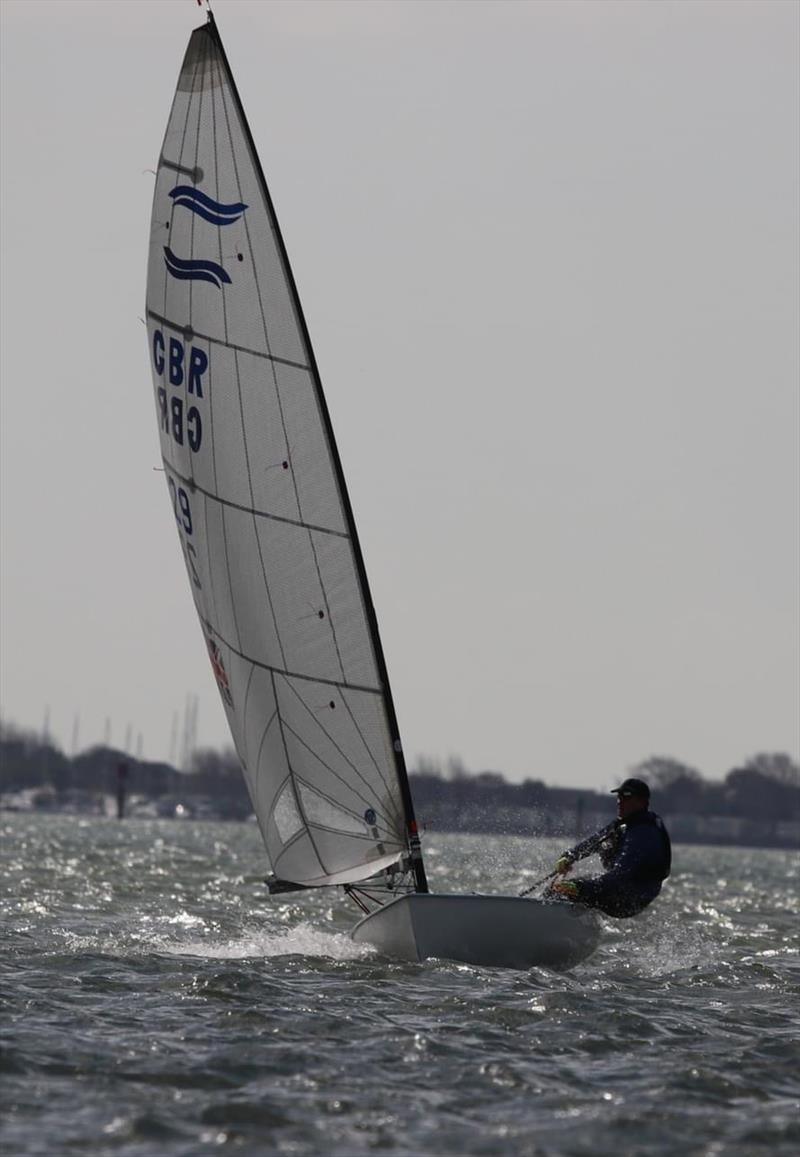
x=216, y=213
x=206, y=207
x=195, y=270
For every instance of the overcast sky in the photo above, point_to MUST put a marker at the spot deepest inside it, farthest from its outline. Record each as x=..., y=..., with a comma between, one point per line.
x=548, y=254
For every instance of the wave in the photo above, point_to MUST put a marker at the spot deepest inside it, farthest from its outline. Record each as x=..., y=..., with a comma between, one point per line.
x=302, y=940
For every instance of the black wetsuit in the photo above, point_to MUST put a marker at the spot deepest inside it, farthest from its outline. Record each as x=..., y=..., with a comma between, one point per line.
x=637, y=856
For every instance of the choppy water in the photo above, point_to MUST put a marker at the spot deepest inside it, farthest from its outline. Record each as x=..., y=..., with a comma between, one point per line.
x=157, y=1003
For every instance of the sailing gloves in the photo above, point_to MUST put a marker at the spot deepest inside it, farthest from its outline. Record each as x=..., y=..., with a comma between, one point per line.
x=567, y=888
x=564, y=864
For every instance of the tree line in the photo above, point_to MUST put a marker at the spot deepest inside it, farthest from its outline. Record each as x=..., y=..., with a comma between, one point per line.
x=764, y=787
x=759, y=799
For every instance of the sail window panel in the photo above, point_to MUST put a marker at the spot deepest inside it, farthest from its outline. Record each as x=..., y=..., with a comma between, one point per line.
x=218, y=601
x=286, y=817
x=297, y=601
x=346, y=609
x=273, y=793
x=331, y=778
x=321, y=810
x=332, y=751
x=310, y=460
x=250, y=567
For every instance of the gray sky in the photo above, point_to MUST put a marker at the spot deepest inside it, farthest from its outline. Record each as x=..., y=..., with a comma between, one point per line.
x=548, y=254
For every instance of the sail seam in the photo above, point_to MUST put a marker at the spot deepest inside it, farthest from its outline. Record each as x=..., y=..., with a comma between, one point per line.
x=355, y=836
x=370, y=803
x=215, y=58
x=246, y=705
x=295, y=792
x=289, y=674
x=180, y=327
x=257, y=409
x=212, y=592
x=205, y=61
x=390, y=834
x=253, y=513
x=245, y=446
x=366, y=599
x=230, y=583
x=262, y=741
x=250, y=773
x=278, y=395
x=180, y=154
x=293, y=838
x=348, y=761
x=398, y=819
x=251, y=509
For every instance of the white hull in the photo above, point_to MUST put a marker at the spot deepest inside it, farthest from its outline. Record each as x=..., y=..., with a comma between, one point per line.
x=500, y=931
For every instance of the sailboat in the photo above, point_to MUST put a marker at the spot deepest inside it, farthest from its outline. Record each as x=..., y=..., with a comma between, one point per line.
x=273, y=557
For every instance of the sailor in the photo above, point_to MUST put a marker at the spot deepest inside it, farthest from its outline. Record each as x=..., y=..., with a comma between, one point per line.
x=635, y=851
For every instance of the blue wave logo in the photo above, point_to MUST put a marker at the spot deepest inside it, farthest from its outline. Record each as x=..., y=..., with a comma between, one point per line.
x=195, y=270
x=206, y=207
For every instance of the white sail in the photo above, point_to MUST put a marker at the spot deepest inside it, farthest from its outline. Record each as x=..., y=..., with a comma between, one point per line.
x=256, y=490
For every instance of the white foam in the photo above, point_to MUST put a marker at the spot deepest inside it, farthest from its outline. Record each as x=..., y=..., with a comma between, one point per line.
x=302, y=940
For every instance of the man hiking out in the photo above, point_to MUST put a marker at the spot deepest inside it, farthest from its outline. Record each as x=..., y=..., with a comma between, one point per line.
x=635, y=850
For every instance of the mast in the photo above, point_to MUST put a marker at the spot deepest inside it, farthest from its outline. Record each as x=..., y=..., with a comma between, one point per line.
x=417, y=864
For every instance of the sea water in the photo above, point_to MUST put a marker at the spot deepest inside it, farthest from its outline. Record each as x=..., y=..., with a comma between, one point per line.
x=158, y=1002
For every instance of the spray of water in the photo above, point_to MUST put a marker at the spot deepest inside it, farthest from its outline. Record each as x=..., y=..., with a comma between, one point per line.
x=302, y=940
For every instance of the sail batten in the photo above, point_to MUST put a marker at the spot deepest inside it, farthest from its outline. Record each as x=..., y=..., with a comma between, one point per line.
x=260, y=504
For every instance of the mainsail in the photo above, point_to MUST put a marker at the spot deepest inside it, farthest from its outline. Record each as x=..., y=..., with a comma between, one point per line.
x=261, y=508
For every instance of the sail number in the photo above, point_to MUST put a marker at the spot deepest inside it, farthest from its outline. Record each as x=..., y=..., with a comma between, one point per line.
x=183, y=516
x=180, y=504
x=180, y=417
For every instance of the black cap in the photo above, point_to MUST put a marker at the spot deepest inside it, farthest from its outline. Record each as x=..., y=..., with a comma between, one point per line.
x=632, y=787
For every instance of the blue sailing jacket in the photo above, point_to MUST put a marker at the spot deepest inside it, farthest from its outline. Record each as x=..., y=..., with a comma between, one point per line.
x=637, y=855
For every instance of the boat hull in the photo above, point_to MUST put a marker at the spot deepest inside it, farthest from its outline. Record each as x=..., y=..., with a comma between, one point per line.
x=498, y=931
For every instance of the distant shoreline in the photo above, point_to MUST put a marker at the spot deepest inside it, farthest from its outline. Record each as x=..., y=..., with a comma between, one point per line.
x=200, y=810
x=755, y=805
